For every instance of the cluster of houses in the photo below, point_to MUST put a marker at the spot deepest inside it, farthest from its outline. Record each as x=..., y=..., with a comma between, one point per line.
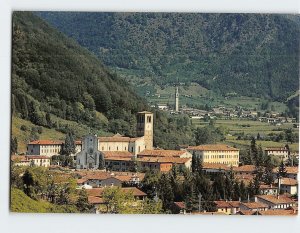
x=118, y=161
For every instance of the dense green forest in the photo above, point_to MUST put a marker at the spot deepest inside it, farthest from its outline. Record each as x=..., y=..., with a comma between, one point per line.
x=249, y=54
x=59, y=85
x=52, y=75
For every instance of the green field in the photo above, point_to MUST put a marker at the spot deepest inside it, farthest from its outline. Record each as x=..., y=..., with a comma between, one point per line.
x=249, y=127
x=246, y=126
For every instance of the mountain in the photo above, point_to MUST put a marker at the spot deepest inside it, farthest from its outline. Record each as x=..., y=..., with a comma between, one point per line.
x=248, y=54
x=60, y=85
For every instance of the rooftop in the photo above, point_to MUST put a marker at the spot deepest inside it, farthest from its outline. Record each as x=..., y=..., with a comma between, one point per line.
x=245, y=168
x=161, y=153
x=163, y=160
x=124, y=154
x=281, y=199
x=213, y=147
x=254, y=205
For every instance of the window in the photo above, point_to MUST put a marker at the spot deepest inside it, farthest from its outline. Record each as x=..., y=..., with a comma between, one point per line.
x=148, y=119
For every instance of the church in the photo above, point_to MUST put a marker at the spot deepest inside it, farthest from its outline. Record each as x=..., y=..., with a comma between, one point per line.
x=92, y=146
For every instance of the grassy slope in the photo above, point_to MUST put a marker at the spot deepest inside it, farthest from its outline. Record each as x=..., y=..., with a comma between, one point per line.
x=23, y=136
x=20, y=202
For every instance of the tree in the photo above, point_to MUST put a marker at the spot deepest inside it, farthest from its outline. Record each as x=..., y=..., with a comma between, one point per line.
x=48, y=120
x=191, y=200
x=101, y=162
x=281, y=170
x=69, y=146
x=82, y=202
x=13, y=145
x=151, y=206
x=119, y=201
x=28, y=182
x=165, y=192
x=268, y=171
x=289, y=136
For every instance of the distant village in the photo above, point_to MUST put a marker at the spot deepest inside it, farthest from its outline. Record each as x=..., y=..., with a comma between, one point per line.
x=225, y=112
x=120, y=161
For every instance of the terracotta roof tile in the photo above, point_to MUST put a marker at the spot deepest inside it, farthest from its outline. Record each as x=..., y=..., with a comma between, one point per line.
x=46, y=142
x=281, y=199
x=163, y=160
x=278, y=212
x=109, y=154
x=213, y=147
x=161, y=153
x=245, y=168
x=254, y=205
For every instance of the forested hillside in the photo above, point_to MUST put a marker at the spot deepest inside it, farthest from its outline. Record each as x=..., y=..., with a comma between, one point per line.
x=58, y=87
x=53, y=76
x=249, y=54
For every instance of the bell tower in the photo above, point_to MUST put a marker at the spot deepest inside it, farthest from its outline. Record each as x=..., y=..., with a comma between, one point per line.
x=145, y=128
x=176, y=99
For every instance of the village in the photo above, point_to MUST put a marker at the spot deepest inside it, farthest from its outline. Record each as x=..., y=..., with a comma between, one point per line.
x=101, y=163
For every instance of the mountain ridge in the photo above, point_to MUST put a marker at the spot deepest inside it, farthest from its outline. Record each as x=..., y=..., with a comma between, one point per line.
x=244, y=53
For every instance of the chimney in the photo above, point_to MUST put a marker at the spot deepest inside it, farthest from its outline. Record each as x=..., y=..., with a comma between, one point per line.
x=255, y=199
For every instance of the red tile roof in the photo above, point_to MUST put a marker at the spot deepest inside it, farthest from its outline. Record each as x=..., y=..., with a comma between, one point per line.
x=117, y=139
x=161, y=153
x=281, y=199
x=227, y=204
x=276, y=149
x=216, y=166
x=46, y=142
x=109, y=154
x=163, y=160
x=254, y=205
x=288, y=181
x=245, y=168
x=180, y=204
x=213, y=147
x=289, y=170
x=273, y=212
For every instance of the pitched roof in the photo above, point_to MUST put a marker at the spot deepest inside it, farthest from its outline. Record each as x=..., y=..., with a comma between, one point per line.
x=288, y=181
x=254, y=205
x=117, y=138
x=272, y=212
x=118, y=159
x=27, y=157
x=289, y=170
x=281, y=199
x=276, y=149
x=163, y=160
x=215, y=166
x=46, y=142
x=161, y=153
x=245, y=168
x=227, y=204
x=245, y=212
x=109, y=154
x=213, y=147
x=180, y=204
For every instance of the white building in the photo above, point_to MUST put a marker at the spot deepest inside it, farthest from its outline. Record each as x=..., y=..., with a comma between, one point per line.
x=48, y=147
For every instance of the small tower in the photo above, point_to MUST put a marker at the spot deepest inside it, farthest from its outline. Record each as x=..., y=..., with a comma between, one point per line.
x=145, y=128
x=176, y=99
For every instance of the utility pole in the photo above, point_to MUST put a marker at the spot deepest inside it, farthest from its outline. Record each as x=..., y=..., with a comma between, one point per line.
x=200, y=196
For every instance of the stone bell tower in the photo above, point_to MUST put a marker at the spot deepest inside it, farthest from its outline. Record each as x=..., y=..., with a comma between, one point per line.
x=145, y=128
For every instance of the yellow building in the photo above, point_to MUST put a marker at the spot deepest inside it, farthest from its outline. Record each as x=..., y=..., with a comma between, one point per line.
x=216, y=153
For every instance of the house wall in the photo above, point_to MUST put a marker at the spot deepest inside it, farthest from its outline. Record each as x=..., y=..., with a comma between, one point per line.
x=224, y=157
